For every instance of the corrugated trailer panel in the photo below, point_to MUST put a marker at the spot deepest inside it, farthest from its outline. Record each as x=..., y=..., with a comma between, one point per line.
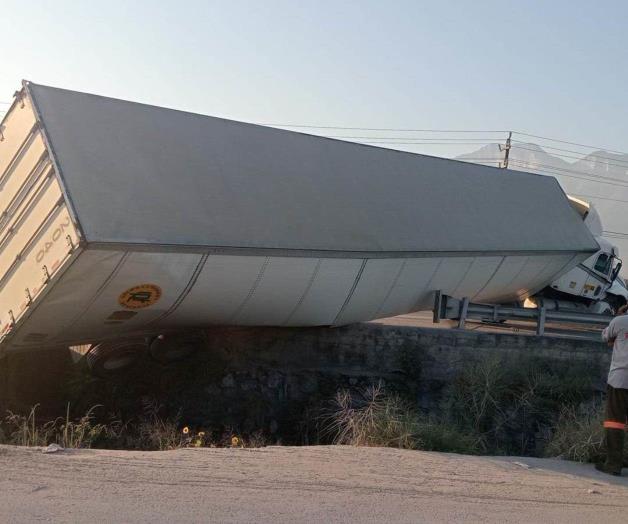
x=36, y=233
x=25, y=171
x=39, y=263
x=18, y=128
x=24, y=229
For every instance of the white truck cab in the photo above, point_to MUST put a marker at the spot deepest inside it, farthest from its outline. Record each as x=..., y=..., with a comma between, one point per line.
x=594, y=283
x=592, y=278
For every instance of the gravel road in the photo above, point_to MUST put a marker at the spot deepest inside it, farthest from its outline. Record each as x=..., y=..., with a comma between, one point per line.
x=300, y=484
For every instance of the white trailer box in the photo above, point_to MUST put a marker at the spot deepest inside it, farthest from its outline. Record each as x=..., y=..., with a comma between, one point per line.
x=122, y=218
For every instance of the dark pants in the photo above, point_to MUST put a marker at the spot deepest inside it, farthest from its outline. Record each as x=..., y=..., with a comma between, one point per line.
x=615, y=426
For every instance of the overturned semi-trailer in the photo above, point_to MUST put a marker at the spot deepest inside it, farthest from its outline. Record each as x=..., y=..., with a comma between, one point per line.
x=121, y=219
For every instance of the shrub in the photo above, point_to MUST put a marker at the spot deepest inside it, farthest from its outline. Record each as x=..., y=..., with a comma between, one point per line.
x=579, y=434
x=372, y=420
x=377, y=419
x=509, y=404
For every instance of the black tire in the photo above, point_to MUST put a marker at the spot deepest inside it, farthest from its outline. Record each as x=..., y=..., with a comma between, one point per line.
x=109, y=359
x=175, y=347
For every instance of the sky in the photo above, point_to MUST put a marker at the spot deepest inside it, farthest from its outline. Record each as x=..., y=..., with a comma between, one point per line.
x=555, y=68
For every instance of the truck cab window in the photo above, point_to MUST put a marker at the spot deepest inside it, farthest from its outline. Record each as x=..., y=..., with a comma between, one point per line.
x=603, y=263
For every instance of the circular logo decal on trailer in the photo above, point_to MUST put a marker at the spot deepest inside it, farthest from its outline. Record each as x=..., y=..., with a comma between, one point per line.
x=140, y=296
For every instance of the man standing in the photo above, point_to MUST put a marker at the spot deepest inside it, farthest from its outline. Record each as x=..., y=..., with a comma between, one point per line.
x=616, y=335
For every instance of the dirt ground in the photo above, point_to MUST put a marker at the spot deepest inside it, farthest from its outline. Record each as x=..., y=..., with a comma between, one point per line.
x=301, y=484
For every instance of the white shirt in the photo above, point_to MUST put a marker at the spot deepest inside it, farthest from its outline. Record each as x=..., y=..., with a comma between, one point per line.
x=618, y=329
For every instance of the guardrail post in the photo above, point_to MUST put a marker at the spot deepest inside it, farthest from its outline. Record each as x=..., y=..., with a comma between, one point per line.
x=438, y=298
x=464, y=308
x=540, y=327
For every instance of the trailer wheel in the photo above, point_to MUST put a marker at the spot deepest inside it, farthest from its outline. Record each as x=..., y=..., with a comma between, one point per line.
x=175, y=347
x=111, y=358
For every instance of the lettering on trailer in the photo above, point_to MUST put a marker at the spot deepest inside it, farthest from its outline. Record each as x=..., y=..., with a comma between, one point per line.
x=141, y=296
x=56, y=235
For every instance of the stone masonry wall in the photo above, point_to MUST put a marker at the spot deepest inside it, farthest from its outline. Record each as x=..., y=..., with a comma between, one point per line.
x=268, y=378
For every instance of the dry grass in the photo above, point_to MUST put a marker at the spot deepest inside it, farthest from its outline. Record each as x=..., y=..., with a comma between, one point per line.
x=157, y=433
x=579, y=434
x=509, y=405
x=493, y=407
x=150, y=432
x=375, y=418
x=80, y=433
x=23, y=430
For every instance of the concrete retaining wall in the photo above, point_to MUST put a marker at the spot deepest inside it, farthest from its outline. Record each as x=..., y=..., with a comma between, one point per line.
x=268, y=378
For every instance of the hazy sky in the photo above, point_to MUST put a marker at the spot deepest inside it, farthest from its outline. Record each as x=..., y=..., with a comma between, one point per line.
x=552, y=67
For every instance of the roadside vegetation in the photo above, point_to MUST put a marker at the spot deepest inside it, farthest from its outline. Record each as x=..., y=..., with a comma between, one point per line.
x=374, y=418
x=493, y=407
x=490, y=409
x=150, y=432
x=26, y=430
x=578, y=434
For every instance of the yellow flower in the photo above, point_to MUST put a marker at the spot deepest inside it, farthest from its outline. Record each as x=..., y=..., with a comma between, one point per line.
x=234, y=441
x=186, y=430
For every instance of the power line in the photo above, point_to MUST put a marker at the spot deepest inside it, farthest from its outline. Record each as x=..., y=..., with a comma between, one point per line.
x=474, y=159
x=596, y=178
x=400, y=130
x=615, y=234
x=560, y=170
x=575, y=157
x=479, y=160
x=483, y=139
x=576, y=174
x=487, y=140
x=570, y=143
x=408, y=130
x=583, y=158
x=463, y=131
x=409, y=143
x=546, y=169
x=597, y=197
x=556, y=168
x=572, y=151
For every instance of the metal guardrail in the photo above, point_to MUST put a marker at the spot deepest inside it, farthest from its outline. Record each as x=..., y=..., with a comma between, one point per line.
x=446, y=307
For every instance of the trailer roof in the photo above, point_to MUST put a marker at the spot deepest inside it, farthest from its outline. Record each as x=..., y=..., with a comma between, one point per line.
x=141, y=174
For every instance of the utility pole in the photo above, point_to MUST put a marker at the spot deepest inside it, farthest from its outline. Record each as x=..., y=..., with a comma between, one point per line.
x=506, y=150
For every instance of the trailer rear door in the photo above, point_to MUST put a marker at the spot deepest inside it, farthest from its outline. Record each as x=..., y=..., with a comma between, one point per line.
x=37, y=235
